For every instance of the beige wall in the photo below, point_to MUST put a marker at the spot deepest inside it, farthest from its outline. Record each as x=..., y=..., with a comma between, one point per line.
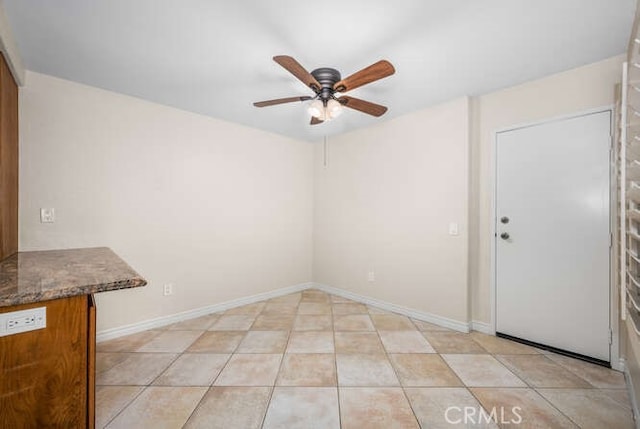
x=220, y=210
x=224, y=211
x=569, y=92
x=384, y=204
x=371, y=216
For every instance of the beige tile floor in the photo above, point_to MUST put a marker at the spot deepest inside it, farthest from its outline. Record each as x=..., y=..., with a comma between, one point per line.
x=313, y=360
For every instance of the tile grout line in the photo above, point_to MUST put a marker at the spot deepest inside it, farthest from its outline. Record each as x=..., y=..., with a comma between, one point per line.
x=145, y=387
x=468, y=388
x=125, y=407
x=169, y=366
x=535, y=389
x=234, y=352
x=554, y=407
x=395, y=371
x=217, y=375
x=284, y=352
x=208, y=389
x=387, y=354
x=527, y=384
x=445, y=362
x=335, y=360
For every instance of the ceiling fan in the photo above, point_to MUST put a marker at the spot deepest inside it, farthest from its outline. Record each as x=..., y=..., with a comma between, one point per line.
x=327, y=84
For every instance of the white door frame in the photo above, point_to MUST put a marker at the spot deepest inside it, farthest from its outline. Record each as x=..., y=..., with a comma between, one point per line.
x=614, y=311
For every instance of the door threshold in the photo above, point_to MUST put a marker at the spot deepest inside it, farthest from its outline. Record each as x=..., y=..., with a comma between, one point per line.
x=555, y=350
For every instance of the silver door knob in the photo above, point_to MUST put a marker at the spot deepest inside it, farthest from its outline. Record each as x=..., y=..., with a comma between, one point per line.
x=504, y=235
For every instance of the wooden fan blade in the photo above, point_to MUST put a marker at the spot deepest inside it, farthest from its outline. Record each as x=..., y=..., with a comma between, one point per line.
x=315, y=121
x=362, y=106
x=294, y=67
x=280, y=101
x=379, y=70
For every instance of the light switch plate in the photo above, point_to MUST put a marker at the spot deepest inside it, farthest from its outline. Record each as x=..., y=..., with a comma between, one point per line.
x=16, y=322
x=47, y=215
x=453, y=228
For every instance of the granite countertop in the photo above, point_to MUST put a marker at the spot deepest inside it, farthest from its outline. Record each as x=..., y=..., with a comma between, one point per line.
x=28, y=277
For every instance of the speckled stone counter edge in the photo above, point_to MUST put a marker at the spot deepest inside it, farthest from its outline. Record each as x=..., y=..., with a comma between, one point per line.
x=29, y=277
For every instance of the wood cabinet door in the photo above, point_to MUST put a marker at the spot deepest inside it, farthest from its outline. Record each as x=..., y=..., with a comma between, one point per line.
x=43, y=373
x=8, y=162
x=91, y=364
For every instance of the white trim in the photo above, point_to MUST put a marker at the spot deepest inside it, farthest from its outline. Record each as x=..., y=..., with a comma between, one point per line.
x=493, y=159
x=109, y=334
x=623, y=192
x=622, y=366
x=587, y=112
x=158, y=322
x=445, y=322
x=614, y=352
x=614, y=211
x=632, y=393
x=483, y=327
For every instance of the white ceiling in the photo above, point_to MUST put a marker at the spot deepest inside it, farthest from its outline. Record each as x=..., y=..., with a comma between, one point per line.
x=214, y=56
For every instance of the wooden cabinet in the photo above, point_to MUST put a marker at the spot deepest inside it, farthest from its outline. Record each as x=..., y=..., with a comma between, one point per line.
x=47, y=376
x=8, y=162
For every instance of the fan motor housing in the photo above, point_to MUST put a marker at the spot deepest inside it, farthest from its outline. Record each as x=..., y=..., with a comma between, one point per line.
x=327, y=77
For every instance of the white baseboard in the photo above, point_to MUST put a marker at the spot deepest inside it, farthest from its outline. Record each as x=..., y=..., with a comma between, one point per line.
x=109, y=334
x=483, y=327
x=632, y=393
x=445, y=322
x=456, y=325
x=618, y=365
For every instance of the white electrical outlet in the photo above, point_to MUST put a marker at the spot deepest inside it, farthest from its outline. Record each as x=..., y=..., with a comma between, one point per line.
x=47, y=215
x=168, y=289
x=371, y=276
x=16, y=322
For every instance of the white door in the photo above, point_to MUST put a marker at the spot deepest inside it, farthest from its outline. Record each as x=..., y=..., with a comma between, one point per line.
x=552, y=234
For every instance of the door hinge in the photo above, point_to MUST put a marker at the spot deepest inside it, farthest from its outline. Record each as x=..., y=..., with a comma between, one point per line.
x=610, y=337
x=610, y=240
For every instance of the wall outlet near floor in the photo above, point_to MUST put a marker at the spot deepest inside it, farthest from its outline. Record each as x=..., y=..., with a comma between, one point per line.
x=371, y=276
x=168, y=289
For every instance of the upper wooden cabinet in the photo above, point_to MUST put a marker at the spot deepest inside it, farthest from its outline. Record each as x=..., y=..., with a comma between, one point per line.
x=8, y=161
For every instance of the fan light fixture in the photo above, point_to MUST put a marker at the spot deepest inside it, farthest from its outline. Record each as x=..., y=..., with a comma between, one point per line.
x=323, y=112
x=327, y=84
